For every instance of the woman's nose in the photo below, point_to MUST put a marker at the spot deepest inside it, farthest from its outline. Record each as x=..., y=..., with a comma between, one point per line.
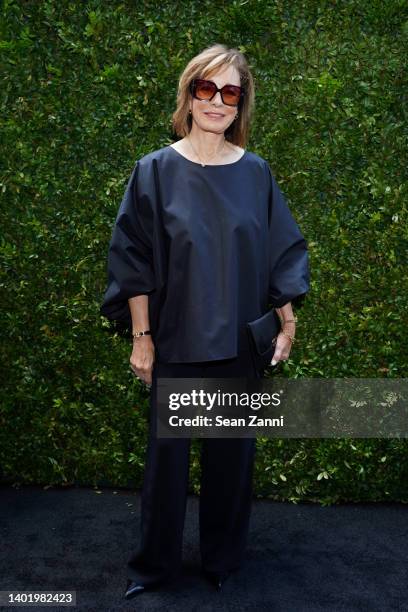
x=217, y=98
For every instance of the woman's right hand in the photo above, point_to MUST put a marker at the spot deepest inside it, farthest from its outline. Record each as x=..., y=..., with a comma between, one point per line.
x=142, y=358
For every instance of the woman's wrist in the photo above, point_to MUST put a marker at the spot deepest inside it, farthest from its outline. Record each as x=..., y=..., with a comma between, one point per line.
x=137, y=334
x=287, y=319
x=288, y=326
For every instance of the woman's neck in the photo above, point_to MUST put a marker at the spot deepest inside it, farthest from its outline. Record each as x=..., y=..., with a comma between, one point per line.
x=206, y=151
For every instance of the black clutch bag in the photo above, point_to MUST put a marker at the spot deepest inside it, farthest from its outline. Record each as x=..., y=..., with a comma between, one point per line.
x=262, y=338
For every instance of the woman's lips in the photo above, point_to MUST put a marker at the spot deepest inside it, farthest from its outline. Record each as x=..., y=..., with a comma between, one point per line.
x=214, y=115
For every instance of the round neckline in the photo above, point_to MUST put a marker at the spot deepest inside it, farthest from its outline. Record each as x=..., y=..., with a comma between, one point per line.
x=207, y=165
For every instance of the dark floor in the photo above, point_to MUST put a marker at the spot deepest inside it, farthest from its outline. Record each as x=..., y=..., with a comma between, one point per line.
x=300, y=557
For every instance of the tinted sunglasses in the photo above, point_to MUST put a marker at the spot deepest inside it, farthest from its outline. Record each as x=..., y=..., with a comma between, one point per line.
x=201, y=89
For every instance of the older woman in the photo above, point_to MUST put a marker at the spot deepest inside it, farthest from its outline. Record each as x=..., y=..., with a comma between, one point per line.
x=203, y=242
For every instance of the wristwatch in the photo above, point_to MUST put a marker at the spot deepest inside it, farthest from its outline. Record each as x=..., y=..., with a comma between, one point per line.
x=147, y=332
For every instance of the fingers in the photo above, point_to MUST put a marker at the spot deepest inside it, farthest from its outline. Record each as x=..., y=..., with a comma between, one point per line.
x=145, y=379
x=142, y=372
x=282, y=350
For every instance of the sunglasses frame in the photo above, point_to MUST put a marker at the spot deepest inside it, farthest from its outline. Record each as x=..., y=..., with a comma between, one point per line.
x=192, y=91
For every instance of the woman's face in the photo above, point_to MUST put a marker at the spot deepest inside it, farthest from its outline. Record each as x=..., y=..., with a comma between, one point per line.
x=225, y=114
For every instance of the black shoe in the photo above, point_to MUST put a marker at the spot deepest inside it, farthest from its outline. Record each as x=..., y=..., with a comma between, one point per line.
x=216, y=578
x=133, y=588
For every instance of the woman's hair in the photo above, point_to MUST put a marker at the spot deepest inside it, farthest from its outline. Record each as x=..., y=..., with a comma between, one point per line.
x=203, y=66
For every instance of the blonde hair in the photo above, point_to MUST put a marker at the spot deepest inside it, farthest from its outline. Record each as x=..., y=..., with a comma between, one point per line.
x=204, y=65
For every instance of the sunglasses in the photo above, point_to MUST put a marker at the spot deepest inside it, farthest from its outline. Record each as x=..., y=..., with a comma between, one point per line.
x=201, y=89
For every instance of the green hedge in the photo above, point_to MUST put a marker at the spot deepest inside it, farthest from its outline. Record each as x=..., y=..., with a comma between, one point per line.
x=87, y=89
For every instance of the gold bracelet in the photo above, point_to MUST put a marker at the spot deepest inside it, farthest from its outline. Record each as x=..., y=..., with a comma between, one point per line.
x=295, y=319
x=284, y=323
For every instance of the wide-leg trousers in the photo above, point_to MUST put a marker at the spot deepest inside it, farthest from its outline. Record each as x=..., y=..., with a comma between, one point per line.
x=225, y=487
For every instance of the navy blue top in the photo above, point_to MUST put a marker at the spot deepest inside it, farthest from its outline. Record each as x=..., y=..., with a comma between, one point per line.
x=211, y=245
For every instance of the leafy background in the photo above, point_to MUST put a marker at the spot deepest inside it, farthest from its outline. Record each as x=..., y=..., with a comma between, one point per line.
x=87, y=89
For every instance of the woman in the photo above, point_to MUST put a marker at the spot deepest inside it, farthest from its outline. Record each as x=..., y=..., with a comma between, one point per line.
x=202, y=243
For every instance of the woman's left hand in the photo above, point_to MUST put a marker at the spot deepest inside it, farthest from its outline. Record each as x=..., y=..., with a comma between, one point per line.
x=283, y=345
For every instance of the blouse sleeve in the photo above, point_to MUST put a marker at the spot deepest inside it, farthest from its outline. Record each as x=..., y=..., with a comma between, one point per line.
x=130, y=265
x=289, y=274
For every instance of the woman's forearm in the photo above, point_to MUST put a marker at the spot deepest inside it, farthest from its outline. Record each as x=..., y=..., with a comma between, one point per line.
x=139, y=310
x=285, y=312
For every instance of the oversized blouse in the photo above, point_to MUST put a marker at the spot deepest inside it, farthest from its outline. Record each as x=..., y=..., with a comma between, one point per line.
x=212, y=246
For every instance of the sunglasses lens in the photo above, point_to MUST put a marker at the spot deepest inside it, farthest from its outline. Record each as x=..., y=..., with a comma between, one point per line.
x=231, y=95
x=204, y=90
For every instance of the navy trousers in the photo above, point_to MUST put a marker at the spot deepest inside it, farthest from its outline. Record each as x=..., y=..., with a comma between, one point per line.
x=225, y=487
